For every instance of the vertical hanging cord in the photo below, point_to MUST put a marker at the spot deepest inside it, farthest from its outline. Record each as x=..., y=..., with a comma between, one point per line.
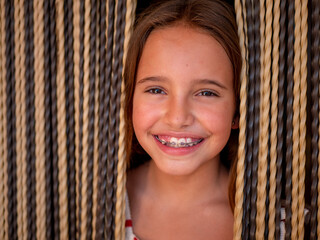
x=121, y=178
x=247, y=218
x=3, y=131
x=85, y=160
x=70, y=117
x=296, y=120
x=76, y=59
x=303, y=116
x=238, y=211
x=110, y=164
x=40, y=119
x=61, y=101
x=265, y=46
x=11, y=120
x=281, y=109
x=91, y=102
x=315, y=78
x=21, y=120
x=96, y=126
x=274, y=115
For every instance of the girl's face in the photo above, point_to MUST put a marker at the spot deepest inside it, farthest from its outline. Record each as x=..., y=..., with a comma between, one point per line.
x=184, y=103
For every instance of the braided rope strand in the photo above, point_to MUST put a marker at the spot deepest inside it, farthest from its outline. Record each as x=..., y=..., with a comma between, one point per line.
x=85, y=160
x=3, y=131
x=121, y=178
x=274, y=115
x=242, y=123
x=281, y=107
x=39, y=120
x=11, y=120
x=110, y=163
x=96, y=130
x=70, y=118
x=265, y=46
x=103, y=123
x=296, y=119
x=289, y=123
x=76, y=60
x=315, y=78
x=303, y=117
x=20, y=124
x=61, y=100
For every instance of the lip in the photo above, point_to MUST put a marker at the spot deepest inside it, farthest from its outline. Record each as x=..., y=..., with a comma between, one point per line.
x=178, y=151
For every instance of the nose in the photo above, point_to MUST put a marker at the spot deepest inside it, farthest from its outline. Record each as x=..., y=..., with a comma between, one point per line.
x=178, y=113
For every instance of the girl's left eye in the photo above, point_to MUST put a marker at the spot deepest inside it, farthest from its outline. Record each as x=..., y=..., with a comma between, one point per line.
x=156, y=91
x=208, y=93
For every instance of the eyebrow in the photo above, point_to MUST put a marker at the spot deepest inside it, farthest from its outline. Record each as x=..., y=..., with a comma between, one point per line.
x=152, y=79
x=196, y=81
x=211, y=82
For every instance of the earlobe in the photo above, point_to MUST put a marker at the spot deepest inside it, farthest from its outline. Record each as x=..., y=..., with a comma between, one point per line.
x=235, y=123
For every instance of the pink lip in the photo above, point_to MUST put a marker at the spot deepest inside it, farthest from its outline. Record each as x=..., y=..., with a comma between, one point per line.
x=177, y=151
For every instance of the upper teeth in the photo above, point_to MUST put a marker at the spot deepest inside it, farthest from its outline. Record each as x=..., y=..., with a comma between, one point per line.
x=179, y=142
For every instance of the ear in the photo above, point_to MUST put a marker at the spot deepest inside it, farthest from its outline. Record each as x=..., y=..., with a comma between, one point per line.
x=235, y=123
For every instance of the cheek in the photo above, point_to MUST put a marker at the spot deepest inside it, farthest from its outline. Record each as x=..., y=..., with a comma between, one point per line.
x=143, y=115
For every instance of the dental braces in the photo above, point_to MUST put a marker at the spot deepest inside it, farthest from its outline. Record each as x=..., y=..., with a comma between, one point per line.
x=178, y=144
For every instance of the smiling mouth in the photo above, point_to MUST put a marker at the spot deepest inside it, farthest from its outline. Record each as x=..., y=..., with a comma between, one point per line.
x=179, y=142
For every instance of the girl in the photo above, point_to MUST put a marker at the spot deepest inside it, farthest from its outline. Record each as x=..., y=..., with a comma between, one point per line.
x=182, y=98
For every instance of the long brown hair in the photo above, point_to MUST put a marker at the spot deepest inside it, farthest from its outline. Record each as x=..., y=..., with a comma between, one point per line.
x=217, y=18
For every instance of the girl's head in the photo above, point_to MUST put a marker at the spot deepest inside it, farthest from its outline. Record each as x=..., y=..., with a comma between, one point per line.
x=203, y=19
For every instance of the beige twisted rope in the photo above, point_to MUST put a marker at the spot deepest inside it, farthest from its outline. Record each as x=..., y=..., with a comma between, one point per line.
x=265, y=59
x=76, y=59
x=3, y=131
x=61, y=105
x=274, y=116
x=303, y=116
x=85, y=135
x=296, y=120
x=242, y=123
x=96, y=135
x=40, y=119
x=121, y=178
x=20, y=119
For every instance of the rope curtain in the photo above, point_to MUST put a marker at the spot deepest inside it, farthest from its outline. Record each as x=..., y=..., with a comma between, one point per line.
x=279, y=125
x=62, y=153
x=62, y=162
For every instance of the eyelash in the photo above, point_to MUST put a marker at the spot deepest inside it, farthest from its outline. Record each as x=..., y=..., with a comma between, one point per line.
x=208, y=93
x=155, y=91
x=205, y=93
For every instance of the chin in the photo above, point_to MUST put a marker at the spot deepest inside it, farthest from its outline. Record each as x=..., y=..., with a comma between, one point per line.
x=176, y=167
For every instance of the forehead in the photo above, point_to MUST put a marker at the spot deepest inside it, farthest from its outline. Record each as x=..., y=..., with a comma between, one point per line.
x=184, y=48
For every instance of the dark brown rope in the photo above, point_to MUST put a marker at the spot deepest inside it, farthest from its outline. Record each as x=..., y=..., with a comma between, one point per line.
x=81, y=86
x=48, y=141
x=281, y=104
x=30, y=119
x=289, y=126
x=70, y=120
x=109, y=222
x=92, y=75
x=11, y=120
x=103, y=123
x=250, y=120
x=315, y=38
x=256, y=123
x=54, y=122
